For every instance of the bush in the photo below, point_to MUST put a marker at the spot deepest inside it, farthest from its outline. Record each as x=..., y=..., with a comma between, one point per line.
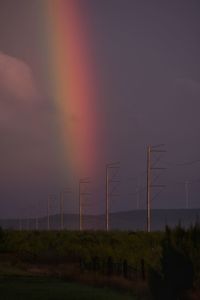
x=176, y=274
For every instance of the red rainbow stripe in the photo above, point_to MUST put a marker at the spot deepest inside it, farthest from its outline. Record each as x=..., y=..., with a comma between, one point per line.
x=73, y=83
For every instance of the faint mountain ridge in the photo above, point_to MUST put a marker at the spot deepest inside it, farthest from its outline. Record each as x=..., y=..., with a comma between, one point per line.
x=124, y=220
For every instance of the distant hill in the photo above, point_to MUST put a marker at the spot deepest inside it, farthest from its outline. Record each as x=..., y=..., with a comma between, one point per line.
x=128, y=220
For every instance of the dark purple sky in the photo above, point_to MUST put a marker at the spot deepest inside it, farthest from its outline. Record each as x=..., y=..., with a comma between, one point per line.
x=147, y=60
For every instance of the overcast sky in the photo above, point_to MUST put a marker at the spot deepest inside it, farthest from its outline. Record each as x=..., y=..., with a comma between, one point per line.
x=148, y=67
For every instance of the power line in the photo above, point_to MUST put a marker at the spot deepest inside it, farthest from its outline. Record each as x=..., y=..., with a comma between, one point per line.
x=187, y=163
x=173, y=182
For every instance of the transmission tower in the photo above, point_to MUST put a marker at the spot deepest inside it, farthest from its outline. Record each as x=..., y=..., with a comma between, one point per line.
x=83, y=191
x=112, y=182
x=20, y=224
x=36, y=223
x=62, y=193
x=187, y=194
x=50, y=197
x=150, y=180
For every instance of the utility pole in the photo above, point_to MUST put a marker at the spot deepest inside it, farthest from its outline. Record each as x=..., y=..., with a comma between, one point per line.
x=62, y=193
x=80, y=207
x=82, y=192
x=150, y=167
x=149, y=188
x=48, y=212
x=20, y=225
x=109, y=193
x=187, y=194
x=138, y=194
x=61, y=210
x=36, y=216
x=27, y=223
x=50, y=197
x=36, y=223
x=107, y=199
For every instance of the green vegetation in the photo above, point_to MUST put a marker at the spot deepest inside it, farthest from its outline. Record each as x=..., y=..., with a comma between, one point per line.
x=179, y=271
x=165, y=263
x=53, y=289
x=55, y=246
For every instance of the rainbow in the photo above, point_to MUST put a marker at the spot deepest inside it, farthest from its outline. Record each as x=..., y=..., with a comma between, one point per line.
x=73, y=82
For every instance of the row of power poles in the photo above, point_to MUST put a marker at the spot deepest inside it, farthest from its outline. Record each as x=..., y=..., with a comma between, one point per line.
x=112, y=181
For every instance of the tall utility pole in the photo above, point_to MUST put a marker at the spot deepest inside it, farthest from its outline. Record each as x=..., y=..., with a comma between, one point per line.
x=20, y=225
x=36, y=223
x=138, y=194
x=82, y=192
x=36, y=217
x=149, y=188
x=50, y=197
x=27, y=224
x=62, y=193
x=187, y=194
x=48, y=212
x=109, y=180
x=150, y=167
x=107, y=199
x=61, y=210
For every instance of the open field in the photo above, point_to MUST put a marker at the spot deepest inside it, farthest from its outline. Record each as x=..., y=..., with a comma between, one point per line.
x=164, y=264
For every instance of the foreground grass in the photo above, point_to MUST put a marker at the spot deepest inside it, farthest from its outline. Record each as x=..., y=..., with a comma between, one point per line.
x=32, y=288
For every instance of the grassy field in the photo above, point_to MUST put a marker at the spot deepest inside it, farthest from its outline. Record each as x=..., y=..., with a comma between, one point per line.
x=32, y=288
x=163, y=264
